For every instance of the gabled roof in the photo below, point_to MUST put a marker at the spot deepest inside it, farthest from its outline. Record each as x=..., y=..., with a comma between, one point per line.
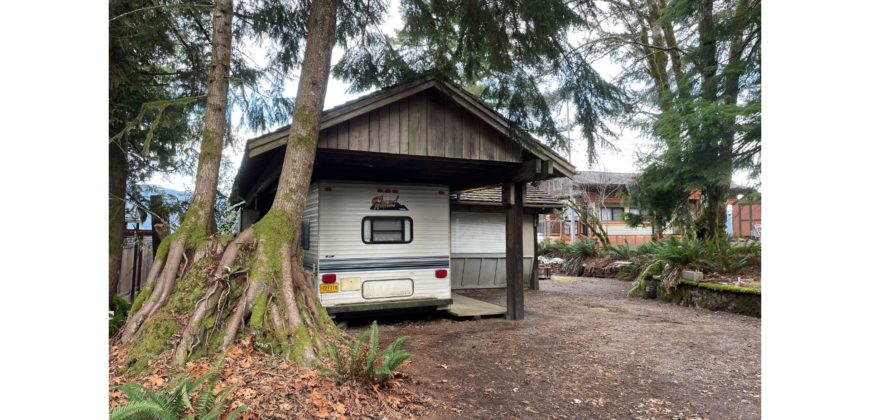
x=603, y=178
x=535, y=197
x=388, y=95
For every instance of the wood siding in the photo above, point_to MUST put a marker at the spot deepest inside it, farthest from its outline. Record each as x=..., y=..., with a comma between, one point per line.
x=424, y=124
x=477, y=250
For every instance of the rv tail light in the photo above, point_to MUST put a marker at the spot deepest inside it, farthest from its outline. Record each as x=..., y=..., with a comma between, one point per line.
x=328, y=278
x=440, y=274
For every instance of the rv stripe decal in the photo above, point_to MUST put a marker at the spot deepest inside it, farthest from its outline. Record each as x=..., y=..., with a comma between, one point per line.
x=377, y=264
x=328, y=260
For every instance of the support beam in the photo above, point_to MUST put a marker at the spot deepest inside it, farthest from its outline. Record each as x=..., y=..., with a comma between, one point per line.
x=514, y=247
x=534, y=281
x=530, y=170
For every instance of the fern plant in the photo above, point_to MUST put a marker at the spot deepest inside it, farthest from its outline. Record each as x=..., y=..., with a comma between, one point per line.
x=364, y=360
x=175, y=402
x=578, y=252
x=619, y=252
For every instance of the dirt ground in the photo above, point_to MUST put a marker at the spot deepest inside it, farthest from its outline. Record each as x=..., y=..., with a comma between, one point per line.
x=585, y=350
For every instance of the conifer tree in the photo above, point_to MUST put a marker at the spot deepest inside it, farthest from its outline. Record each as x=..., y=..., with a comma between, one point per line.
x=699, y=65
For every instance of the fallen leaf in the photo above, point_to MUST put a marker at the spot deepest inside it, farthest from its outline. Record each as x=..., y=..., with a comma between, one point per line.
x=246, y=393
x=155, y=381
x=317, y=399
x=339, y=408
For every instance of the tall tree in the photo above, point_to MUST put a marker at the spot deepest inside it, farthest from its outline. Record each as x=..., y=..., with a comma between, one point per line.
x=277, y=299
x=518, y=54
x=156, y=70
x=698, y=68
x=159, y=67
x=198, y=222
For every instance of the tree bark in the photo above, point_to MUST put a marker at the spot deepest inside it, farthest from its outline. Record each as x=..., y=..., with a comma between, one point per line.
x=198, y=222
x=117, y=195
x=278, y=305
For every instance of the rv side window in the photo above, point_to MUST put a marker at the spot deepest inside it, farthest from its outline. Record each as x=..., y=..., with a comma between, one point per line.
x=306, y=234
x=387, y=230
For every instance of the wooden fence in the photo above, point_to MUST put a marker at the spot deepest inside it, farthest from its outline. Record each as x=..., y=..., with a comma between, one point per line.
x=136, y=259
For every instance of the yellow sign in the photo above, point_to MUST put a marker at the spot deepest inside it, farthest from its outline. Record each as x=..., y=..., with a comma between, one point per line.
x=329, y=288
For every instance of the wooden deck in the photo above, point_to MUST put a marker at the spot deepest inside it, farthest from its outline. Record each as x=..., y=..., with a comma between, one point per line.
x=464, y=307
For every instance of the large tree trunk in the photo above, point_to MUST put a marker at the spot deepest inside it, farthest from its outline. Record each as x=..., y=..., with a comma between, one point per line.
x=258, y=287
x=198, y=222
x=277, y=285
x=117, y=195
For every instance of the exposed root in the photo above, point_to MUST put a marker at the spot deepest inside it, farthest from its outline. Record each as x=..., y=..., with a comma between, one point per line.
x=162, y=288
x=276, y=301
x=195, y=326
x=288, y=290
x=235, y=321
x=232, y=250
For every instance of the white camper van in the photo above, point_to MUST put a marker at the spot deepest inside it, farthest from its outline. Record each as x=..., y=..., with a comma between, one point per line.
x=378, y=246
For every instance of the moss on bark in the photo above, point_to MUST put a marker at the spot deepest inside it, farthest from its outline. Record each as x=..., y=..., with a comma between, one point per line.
x=258, y=312
x=143, y=295
x=152, y=341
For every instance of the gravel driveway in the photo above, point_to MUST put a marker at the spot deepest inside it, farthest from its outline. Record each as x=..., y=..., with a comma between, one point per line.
x=585, y=350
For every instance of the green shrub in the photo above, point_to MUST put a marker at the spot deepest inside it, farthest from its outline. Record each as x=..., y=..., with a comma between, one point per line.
x=578, y=252
x=175, y=402
x=557, y=248
x=119, y=316
x=672, y=256
x=619, y=252
x=687, y=252
x=364, y=360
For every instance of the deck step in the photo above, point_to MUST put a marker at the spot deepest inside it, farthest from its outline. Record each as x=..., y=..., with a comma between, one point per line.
x=464, y=307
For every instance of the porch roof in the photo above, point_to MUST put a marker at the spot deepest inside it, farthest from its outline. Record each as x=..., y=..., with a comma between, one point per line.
x=349, y=143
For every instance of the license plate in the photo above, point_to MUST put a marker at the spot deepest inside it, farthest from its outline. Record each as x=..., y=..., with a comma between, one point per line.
x=329, y=288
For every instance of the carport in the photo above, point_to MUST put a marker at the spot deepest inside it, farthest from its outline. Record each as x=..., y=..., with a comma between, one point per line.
x=427, y=131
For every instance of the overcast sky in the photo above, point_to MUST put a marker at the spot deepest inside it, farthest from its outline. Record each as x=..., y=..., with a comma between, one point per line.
x=629, y=143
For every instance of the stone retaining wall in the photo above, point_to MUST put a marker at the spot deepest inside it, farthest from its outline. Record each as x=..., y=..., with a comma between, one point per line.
x=712, y=296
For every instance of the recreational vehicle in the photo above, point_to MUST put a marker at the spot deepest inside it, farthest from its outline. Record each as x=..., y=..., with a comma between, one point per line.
x=378, y=246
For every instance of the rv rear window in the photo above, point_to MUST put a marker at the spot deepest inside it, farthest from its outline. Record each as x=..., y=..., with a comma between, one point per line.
x=387, y=230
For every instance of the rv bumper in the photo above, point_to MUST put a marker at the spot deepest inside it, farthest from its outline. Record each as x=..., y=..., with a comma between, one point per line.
x=380, y=306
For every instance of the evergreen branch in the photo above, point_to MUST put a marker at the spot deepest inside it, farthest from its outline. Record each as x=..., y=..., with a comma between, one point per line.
x=159, y=6
x=158, y=106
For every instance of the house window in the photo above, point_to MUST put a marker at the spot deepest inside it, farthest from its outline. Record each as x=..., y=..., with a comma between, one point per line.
x=387, y=230
x=306, y=234
x=609, y=214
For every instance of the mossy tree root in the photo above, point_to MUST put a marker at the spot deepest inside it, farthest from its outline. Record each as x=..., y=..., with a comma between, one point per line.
x=162, y=275
x=277, y=305
x=207, y=305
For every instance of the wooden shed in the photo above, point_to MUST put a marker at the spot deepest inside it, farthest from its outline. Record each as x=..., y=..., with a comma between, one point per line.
x=425, y=132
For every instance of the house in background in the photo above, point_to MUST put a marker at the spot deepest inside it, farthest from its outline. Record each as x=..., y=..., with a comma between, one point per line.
x=604, y=191
x=744, y=216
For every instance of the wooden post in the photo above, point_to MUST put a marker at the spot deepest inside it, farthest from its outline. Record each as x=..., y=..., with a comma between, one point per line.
x=513, y=196
x=534, y=283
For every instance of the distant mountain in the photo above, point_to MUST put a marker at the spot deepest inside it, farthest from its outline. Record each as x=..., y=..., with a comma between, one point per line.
x=149, y=190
